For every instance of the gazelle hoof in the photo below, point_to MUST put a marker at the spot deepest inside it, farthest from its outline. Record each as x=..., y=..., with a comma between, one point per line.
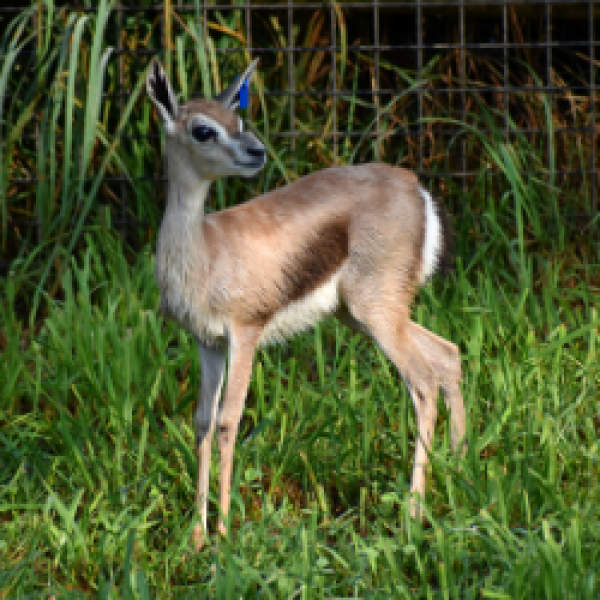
x=198, y=537
x=416, y=508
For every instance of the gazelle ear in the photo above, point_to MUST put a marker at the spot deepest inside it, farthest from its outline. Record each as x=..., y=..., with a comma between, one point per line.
x=230, y=97
x=161, y=93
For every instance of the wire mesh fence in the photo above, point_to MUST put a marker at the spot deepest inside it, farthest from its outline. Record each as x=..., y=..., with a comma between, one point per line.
x=402, y=82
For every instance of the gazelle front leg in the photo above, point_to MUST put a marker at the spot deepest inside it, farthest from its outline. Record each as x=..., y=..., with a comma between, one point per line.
x=212, y=362
x=242, y=342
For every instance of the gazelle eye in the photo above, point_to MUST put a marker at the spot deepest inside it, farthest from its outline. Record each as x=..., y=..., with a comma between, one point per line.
x=202, y=133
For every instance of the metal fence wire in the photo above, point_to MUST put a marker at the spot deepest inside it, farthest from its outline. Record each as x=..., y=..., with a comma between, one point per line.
x=393, y=81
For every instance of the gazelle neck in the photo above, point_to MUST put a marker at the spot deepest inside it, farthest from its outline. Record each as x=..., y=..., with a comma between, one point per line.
x=181, y=260
x=186, y=193
x=180, y=239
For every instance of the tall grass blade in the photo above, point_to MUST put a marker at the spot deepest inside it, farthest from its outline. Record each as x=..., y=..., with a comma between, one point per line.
x=10, y=51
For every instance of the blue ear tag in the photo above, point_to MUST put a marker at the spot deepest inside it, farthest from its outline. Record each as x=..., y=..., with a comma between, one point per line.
x=244, y=95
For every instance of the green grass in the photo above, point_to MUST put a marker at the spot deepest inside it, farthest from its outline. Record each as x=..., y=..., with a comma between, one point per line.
x=98, y=469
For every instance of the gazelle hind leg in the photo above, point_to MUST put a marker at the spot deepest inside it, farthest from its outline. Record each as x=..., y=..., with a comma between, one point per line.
x=426, y=411
x=444, y=357
x=421, y=380
x=212, y=362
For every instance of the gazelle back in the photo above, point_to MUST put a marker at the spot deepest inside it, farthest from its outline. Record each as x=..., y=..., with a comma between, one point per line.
x=353, y=241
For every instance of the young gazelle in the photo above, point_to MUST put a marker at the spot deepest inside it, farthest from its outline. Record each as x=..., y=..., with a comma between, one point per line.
x=351, y=241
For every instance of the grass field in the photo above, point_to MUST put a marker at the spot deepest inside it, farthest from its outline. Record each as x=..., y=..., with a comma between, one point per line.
x=98, y=468
x=97, y=391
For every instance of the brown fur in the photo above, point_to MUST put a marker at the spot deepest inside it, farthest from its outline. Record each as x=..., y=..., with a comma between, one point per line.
x=212, y=109
x=263, y=238
x=312, y=264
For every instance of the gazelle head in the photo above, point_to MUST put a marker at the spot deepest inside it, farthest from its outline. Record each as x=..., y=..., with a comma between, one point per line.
x=207, y=134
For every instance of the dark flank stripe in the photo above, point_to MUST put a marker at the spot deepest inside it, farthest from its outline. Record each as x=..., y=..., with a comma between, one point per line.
x=313, y=264
x=303, y=271
x=309, y=267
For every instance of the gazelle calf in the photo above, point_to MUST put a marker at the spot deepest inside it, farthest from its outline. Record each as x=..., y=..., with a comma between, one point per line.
x=353, y=241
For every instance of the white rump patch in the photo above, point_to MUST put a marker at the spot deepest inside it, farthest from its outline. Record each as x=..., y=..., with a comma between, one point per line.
x=304, y=313
x=432, y=245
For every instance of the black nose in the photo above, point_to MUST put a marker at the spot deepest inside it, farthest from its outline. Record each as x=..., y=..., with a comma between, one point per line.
x=256, y=152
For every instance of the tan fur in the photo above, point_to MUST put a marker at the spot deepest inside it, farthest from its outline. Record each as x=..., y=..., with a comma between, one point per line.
x=348, y=241
x=213, y=109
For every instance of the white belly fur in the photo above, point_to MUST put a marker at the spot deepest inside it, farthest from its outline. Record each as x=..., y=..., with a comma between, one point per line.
x=294, y=318
x=304, y=313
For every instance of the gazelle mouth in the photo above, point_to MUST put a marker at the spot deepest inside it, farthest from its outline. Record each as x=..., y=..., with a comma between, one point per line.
x=255, y=164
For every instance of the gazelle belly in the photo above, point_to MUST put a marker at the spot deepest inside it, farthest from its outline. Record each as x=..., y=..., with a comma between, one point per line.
x=303, y=313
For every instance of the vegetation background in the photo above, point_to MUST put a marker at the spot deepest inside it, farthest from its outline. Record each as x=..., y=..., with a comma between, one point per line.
x=97, y=391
